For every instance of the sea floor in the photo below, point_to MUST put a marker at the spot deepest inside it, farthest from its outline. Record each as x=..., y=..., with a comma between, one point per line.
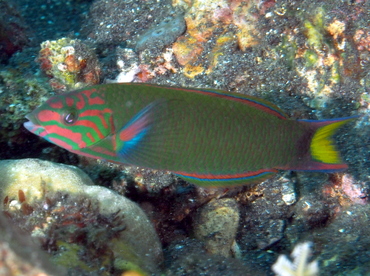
x=65, y=214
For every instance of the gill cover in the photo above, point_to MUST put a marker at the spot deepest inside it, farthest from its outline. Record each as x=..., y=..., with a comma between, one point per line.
x=74, y=122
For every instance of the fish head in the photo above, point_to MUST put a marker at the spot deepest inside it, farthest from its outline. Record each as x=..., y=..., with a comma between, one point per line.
x=72, y=121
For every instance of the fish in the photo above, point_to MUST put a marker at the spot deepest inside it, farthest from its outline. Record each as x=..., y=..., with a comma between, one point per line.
x=207, y=137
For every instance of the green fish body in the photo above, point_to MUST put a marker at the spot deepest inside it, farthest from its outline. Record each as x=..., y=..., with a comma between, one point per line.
x=208, y=137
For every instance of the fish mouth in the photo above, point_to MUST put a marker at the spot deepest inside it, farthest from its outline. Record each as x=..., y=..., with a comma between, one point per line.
x=32, y=126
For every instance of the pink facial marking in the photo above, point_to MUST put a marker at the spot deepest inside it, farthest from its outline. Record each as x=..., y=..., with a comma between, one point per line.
x=48, y=115
x=97, y=113
x=81, y=102
x=89, y=92
x=90, y=137
x=60, y=143
x=57, y=105
x=90, y=124
x=96, y=100
x=93, y=100
x=69, y=101
x=74, y=136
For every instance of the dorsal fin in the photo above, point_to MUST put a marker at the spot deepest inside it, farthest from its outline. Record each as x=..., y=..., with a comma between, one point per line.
x=248, y=100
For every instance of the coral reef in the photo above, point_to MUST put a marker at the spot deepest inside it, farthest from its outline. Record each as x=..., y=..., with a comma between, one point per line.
x=19, y=94
x=143, y=68
x=69, y=63
x=60, y=204
x=347, y=190
x=128, y=65
x=69, y=226
x=300, y=265
x=20, y=256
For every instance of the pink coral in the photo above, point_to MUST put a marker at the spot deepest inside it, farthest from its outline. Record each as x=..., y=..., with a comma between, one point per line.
x=354, y=189
x=362, y=39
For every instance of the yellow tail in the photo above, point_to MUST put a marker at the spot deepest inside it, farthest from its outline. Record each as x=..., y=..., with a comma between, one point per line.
x=322, y=145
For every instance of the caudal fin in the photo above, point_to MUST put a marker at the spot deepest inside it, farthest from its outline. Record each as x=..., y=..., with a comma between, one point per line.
x=324, y=153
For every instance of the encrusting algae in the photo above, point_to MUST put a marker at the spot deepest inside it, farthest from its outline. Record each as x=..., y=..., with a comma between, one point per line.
x=81, y=225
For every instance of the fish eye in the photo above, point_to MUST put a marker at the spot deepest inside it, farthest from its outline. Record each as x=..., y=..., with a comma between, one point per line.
x=70, y=117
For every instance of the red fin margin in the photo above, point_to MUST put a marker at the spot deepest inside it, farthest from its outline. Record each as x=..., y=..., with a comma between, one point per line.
x=214, y=180
x=318, y=167
x=249, y=100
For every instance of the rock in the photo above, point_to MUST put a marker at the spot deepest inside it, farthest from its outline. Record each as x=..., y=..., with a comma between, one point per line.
x=263, y=215
x=27, y=184
x=163, y=34
x=113, y=22
x=216, y=224
x=20, y=256
x=34, y=177
x=13, y=31
x=189, y=258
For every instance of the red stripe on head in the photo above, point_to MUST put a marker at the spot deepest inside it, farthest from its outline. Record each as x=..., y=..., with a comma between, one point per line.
x=90, y=137
x=48, y=115
x=57, y=104
x=81, y=102
x=96, y=100
x=69, y=101
x=93, y=99
x=89, y=92
x=98, y=113
x=90, y=124
x=60, y=143
x=65, y=132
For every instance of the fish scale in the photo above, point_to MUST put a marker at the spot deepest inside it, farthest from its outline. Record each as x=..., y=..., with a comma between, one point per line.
x=208, y=137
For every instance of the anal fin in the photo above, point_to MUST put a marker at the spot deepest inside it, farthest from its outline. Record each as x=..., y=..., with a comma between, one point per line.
x=227, y=180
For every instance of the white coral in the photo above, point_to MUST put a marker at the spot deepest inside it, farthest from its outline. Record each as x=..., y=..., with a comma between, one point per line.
x=300, y=265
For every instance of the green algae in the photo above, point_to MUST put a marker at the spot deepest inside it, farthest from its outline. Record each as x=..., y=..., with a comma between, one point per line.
x=315, y=29
x=19, y=95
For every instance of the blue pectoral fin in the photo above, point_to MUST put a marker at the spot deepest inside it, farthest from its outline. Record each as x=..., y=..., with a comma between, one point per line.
x=149, y=138
x=132, y=134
